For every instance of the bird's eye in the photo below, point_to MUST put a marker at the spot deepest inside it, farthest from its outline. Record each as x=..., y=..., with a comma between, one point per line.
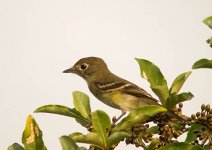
x=83, y=66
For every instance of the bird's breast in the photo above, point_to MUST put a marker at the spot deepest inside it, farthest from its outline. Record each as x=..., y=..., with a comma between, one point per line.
x=105, y=97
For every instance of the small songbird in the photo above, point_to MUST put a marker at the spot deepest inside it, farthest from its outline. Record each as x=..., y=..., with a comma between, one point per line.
x=109, y=88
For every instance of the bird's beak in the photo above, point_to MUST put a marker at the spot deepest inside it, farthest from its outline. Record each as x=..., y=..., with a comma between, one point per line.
x=70, y=70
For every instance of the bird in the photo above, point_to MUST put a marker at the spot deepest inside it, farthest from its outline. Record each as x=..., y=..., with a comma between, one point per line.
x=109, y=88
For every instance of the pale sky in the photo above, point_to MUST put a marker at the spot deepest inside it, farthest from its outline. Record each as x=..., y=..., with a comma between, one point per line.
x=39, y=39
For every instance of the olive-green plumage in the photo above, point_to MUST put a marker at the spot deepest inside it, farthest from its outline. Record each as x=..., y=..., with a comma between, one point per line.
x=109, y=88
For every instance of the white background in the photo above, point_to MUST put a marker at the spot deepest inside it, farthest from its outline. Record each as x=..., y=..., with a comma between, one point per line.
x=39, y=39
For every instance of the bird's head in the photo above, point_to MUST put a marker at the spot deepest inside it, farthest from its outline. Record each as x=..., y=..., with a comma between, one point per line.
x=88, y=67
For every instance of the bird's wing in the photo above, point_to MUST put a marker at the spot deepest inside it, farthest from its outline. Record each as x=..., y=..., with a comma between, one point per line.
x=125, y=88
x=110, y=86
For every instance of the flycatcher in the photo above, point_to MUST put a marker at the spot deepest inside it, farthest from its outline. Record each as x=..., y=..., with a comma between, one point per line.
x=109, y=88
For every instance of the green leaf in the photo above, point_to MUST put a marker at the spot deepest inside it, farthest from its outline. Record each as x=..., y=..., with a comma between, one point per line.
x=117, y=137
x=152, y=130
x=137, y=116
x=15, y=146
x=208, y=21
x=161, y=92
x=82, y=104
x=174, y=99
x=156, y=79
x=32, y=135
x=178, y=82
x=153, y=144
x=101, y=124
x=181, y=146
x=202, y=63
x=191, y=136
x=63, y=110
x=91, y=138
x=151, y=72
x=68, y=143
x=81, y=148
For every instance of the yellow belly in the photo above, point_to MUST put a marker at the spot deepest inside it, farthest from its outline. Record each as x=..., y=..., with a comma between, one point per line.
x=121, y=101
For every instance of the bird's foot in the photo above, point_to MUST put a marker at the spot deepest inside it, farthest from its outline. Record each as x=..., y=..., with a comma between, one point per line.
x=115, y=120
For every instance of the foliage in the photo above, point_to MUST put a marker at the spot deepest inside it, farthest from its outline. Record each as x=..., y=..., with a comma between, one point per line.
x=150, y=127
x=31, y=138
x=208, y=22
x=156, y=79
x=202, y=63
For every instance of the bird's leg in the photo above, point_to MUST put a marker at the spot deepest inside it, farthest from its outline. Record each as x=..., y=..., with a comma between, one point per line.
x=117, y=119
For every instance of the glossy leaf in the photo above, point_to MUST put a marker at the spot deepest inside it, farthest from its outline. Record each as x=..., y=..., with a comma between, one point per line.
x=101, y=124
x=161, y=92
x=91, y=138
x=81, y=148
x=174, y=99
x=208, y=21
x=156, y=79
x=32, y=135
x=178, y=82
x=68, y=143
x=117, y=137
x=190, y=135
x=181, y=146
x=15, y=146
x=63, y=110
x=152, y=130
x=137, y=116
x=153, y=144
x=202, y=63
x=82, y=104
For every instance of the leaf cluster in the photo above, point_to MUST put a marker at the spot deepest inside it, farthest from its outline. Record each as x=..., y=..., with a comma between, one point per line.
x=150, y=127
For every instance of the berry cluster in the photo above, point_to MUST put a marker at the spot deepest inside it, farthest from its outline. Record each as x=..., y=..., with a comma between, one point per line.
x=209, y=41
x=169, y=129
x=203, y=118
x=139, y=136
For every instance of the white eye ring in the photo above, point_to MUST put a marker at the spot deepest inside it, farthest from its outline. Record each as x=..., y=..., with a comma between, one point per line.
x=83, y=66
